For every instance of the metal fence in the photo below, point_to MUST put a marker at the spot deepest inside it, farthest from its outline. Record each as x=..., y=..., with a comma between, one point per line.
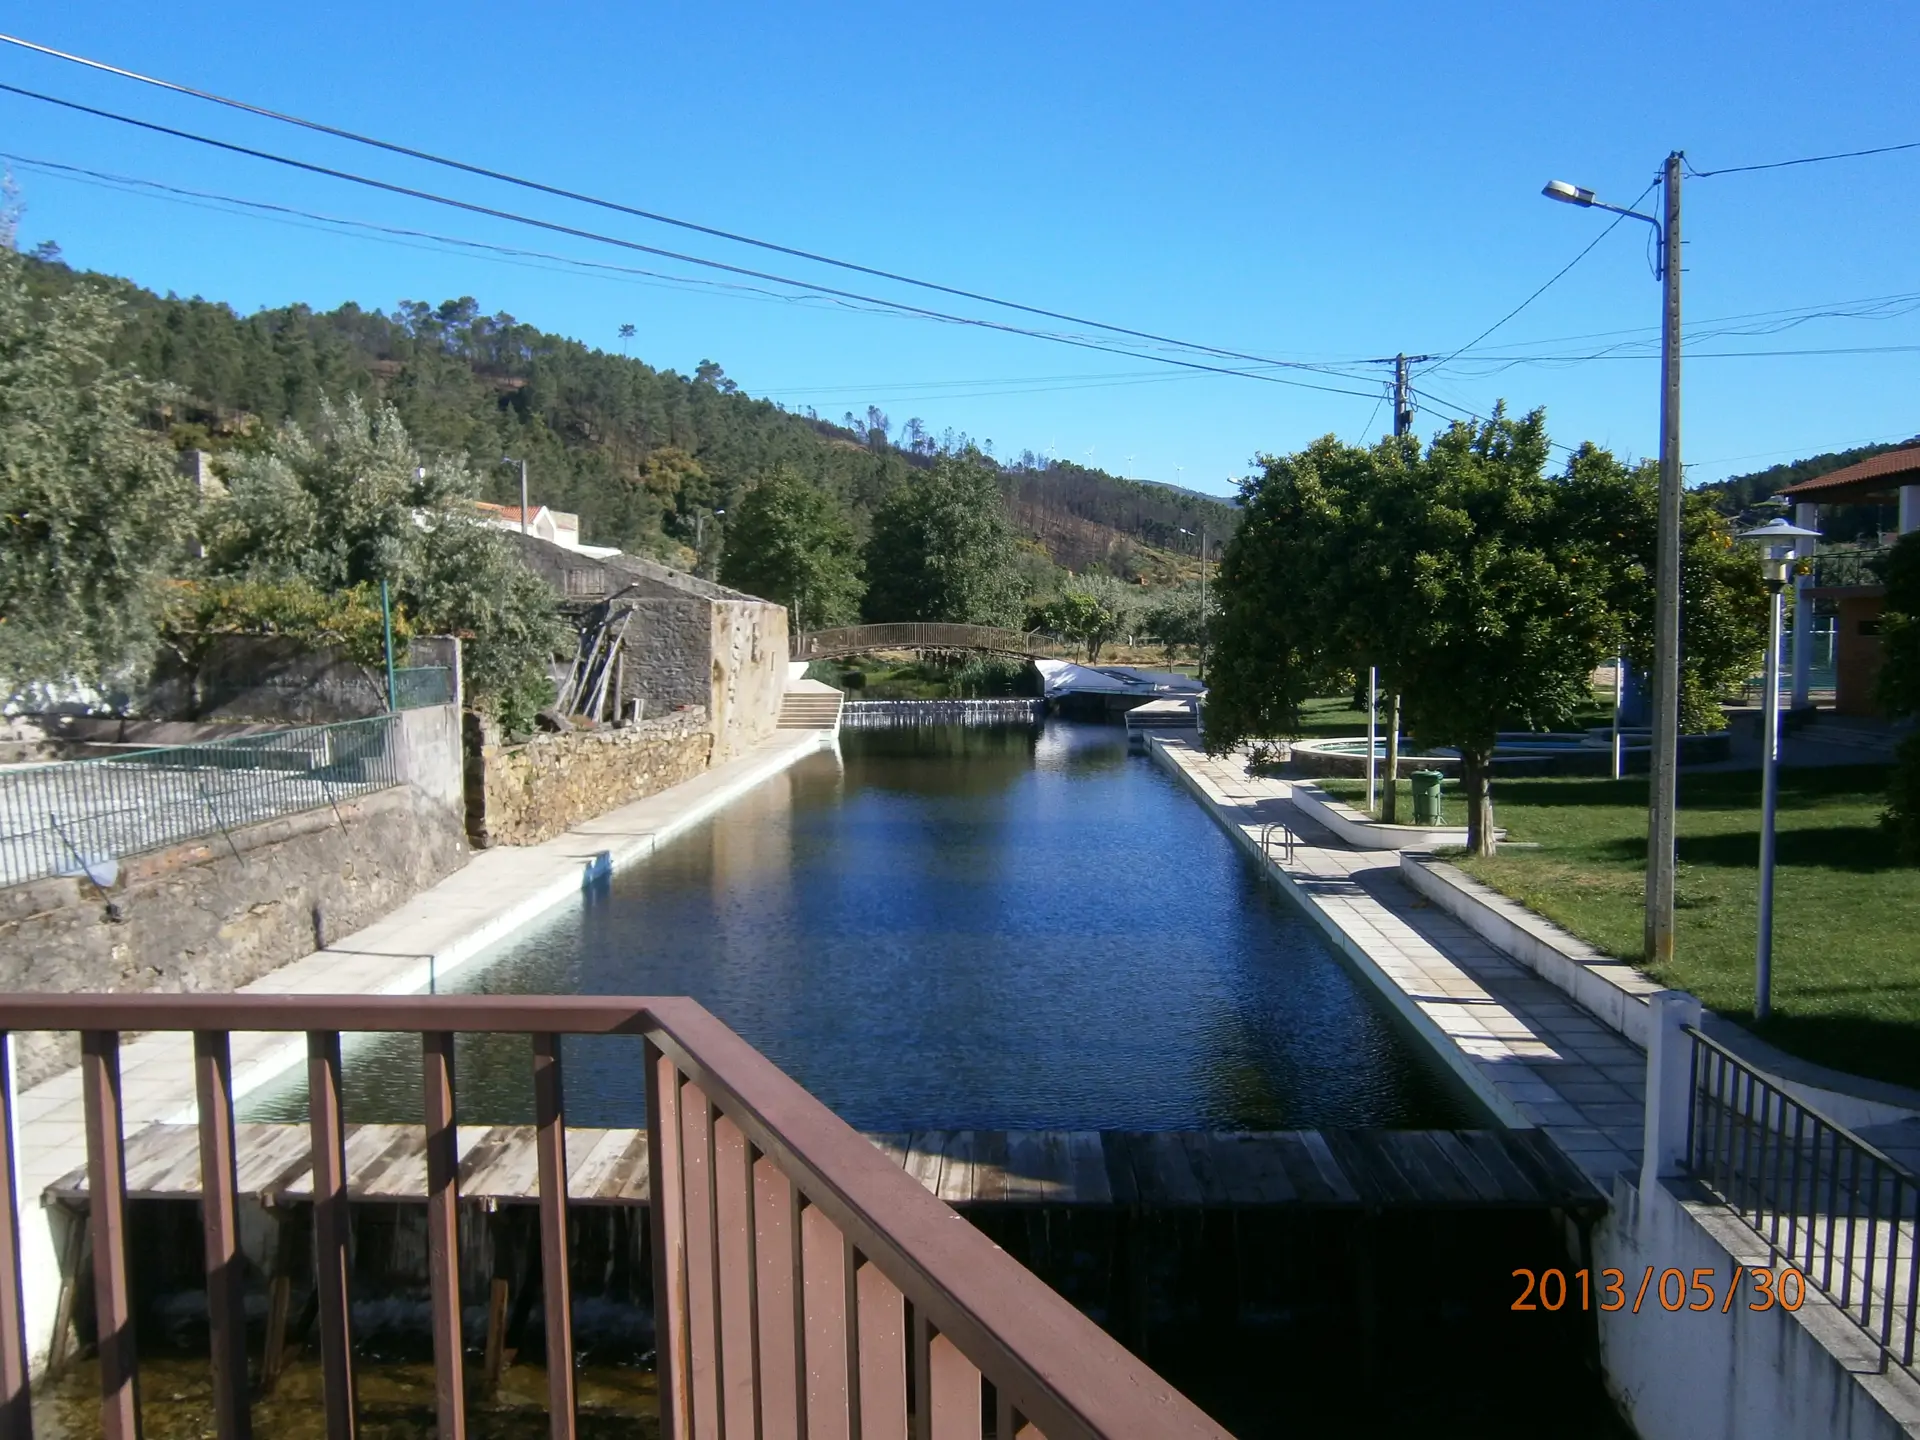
x=1827, y=1204
x=416, y=686
x=83, y=816
x=1857, y=565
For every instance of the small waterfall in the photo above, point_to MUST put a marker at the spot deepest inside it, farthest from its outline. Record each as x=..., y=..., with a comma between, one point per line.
x=876, y=714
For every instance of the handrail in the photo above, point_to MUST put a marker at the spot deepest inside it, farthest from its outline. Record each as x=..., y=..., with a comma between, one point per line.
x=1769, y=1158
x=1291, y=840
x=790, y=1254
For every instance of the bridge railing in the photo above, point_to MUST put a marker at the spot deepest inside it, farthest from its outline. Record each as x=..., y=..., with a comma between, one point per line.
x=803, y=1283
x=857, y=639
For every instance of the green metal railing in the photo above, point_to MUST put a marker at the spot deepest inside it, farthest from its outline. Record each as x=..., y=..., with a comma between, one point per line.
x=83, y=816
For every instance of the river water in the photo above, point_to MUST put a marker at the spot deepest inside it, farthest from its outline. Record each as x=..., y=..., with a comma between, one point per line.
x=1012, y=927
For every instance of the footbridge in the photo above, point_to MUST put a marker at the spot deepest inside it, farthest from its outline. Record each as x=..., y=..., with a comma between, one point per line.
x=847, y=640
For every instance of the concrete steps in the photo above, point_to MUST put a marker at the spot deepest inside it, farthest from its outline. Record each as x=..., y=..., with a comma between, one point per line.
x=810, y=705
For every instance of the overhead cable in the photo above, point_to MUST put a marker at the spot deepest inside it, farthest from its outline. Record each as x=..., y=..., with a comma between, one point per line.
x=557, y=228
x=583, y=198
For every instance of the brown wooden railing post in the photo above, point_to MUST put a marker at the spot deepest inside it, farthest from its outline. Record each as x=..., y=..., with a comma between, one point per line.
x=549, y=1111
x=107, y=1221
x=332, y=1232
x=220, y=1227
x=443, y=1234
x=16, y=1398
x=779, y=1289
x=701, y=1261
x=669, y=1243
x=733, y=1229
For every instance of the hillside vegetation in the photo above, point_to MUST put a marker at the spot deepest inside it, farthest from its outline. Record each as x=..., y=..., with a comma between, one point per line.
x=647, y=457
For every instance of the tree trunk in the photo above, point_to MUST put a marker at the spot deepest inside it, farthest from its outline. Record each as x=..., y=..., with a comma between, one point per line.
x=1477, y=780
x=1391, y=809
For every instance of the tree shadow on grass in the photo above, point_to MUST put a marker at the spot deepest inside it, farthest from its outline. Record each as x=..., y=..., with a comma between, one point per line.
x=1863, y=849
x=1879, y=1049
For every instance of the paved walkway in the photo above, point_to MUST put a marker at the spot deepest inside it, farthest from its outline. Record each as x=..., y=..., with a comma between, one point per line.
x=1532, y=1055
x=408, y=952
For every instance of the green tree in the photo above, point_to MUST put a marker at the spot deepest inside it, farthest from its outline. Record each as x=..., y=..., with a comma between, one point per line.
x=1723, y=610
x=790, y=541
x=1899, y=685
x=942, y=550
x=1083, y=615
x=1460, y=573
x=93, y=513
x=351, y=503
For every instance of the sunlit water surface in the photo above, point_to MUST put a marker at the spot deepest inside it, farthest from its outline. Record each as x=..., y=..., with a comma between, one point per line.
x=956, y=927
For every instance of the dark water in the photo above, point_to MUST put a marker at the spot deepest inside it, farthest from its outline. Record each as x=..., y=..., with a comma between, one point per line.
x=958, y=927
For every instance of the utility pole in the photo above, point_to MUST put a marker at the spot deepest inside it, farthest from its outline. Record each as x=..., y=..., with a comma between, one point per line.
x=1402, y=395
x=509, y=460
x=1402, y=425
x=1663, y=798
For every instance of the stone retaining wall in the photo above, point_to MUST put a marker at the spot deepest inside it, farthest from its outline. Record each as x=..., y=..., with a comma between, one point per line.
x=213, y=915
x=524, y=794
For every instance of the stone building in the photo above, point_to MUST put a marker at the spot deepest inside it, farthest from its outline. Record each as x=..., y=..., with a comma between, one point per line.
x=689, y=643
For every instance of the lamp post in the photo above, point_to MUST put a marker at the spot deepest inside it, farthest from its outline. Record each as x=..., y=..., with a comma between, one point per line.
x=1664, y=759
x=1781, y=539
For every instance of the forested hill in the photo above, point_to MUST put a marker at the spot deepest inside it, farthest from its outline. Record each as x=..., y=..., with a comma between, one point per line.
x=1738, y=493
x=645, y=456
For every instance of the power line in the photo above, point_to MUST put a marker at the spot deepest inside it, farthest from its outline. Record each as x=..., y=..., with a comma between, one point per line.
x=575, y=231
x=1551, y=282
x=1803, y=160
x=585, y=199
x=394, y=234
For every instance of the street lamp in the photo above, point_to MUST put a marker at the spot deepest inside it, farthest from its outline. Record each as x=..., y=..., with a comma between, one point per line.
x=1664, y=760
x=1781, y=539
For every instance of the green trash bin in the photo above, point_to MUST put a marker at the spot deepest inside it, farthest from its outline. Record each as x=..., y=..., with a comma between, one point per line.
x=1426, y=797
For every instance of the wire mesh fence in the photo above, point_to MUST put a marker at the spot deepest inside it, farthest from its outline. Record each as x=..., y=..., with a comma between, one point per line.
x=1837, y=1210
x=84, y=816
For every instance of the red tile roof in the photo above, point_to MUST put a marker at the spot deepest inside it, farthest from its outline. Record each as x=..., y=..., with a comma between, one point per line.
x=1881, y=468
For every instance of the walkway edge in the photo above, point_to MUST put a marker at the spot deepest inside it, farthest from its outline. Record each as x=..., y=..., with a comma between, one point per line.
x=1437, y=1040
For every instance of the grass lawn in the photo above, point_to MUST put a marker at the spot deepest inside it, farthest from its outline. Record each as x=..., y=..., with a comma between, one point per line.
x=1846, y=951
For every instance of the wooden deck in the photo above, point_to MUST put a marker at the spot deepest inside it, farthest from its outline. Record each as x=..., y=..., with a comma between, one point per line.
x=1327, y=1169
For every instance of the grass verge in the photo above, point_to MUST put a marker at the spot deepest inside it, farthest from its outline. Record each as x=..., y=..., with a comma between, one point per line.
x=1846, y=952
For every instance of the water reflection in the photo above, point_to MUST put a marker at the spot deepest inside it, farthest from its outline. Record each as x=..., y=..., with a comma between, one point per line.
x=959, y=927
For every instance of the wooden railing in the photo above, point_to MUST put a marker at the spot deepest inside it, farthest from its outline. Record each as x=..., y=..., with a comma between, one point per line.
x=803, y=1284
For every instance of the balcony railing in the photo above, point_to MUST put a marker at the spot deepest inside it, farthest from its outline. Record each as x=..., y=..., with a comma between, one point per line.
x=1825, y=1202
x=803, y=1284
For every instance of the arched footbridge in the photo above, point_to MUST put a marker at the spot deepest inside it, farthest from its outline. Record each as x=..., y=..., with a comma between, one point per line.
x=864, y=639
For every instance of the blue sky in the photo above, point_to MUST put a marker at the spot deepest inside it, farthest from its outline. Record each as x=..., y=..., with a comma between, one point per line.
x=1321, y=183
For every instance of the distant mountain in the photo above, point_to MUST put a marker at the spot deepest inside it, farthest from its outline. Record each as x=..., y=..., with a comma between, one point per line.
x=648, y=458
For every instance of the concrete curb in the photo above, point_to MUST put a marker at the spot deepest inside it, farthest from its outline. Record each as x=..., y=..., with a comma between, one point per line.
x=1620, y=996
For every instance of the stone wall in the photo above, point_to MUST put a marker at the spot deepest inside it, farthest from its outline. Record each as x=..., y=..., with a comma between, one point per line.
x=273, y=678
x=668, y=642
x=747, y=656
x=524, y=794
x=214, y=914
